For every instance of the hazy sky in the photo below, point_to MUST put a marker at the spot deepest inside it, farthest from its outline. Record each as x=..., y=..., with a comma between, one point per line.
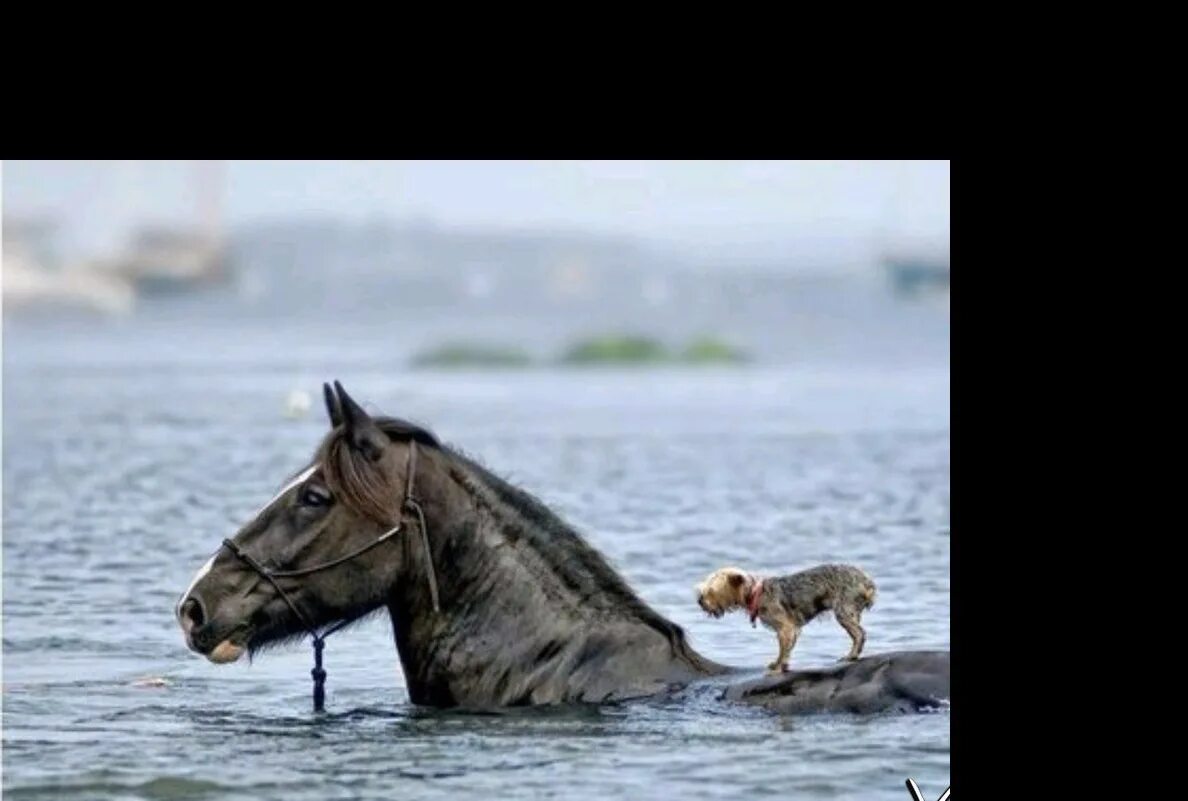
x=692, y=202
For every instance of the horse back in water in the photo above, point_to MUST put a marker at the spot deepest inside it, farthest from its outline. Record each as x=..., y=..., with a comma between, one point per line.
x=494, y=600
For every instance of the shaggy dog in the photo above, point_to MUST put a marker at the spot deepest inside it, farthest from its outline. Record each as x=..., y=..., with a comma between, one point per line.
x=786, y=603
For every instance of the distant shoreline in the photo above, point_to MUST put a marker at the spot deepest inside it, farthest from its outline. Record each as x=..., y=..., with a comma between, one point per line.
x=590, y=351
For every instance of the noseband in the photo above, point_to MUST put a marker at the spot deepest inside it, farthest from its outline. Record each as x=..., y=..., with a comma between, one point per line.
x=410, y=503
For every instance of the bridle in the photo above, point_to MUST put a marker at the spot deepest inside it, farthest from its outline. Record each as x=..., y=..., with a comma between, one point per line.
x=410, y=503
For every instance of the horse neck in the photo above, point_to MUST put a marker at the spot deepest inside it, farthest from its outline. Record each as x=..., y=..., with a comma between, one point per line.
x=508, y=611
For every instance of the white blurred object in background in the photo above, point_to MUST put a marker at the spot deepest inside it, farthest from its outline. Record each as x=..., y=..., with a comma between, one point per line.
x=297, y=404
x=33, y=277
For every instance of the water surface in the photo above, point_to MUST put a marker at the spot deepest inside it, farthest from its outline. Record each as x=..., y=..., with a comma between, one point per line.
x=131, y=450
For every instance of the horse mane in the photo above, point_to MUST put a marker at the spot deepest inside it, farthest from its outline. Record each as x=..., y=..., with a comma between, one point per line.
x=363, y=486
x=568, y=553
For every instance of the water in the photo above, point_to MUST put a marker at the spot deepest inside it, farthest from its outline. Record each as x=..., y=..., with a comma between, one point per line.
x=132, y=448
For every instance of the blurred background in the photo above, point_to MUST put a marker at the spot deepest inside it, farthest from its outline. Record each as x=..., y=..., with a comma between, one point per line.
x=775, y=261
x=695, y=363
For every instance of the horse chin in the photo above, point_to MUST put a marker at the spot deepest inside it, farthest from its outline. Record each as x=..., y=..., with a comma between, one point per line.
x=226, y=652
x=231, y=648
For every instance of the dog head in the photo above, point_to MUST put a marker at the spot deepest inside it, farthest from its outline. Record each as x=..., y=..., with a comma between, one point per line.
x=724, y=590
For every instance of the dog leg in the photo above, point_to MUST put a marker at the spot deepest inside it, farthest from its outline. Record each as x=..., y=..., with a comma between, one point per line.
x=850, y=622
x=778, y=665
x=786, y=635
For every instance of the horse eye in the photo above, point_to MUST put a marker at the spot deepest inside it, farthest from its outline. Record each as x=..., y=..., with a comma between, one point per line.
x=314, y=497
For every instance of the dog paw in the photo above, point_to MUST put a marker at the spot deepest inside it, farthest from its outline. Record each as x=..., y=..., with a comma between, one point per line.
x=848, y=658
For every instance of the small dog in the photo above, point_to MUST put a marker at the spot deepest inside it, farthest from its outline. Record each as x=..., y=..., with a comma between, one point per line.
x=786, y=603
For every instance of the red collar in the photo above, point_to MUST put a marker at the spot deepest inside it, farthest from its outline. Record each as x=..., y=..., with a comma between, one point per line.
x=753, y=600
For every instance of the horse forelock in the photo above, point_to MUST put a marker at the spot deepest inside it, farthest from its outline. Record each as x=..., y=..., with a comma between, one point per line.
x=370, y=488
x=364, y=486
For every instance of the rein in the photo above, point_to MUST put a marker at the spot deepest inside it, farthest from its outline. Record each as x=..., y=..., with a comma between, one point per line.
x=319, y=639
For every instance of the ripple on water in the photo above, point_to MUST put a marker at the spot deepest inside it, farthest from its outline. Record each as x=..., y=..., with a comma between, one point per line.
x=669, y=483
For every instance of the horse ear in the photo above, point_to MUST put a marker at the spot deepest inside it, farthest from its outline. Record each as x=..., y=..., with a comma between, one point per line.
x=362, y=432
x=332, y=406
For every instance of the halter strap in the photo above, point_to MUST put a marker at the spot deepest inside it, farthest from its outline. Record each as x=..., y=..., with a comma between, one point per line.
x=319, y=639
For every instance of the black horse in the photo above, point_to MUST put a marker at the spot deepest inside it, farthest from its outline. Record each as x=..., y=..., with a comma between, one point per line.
x=494, y=600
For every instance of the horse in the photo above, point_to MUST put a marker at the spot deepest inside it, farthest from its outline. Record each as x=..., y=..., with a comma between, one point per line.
x=494, y=600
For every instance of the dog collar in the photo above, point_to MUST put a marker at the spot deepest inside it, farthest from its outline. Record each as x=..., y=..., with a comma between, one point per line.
x=753, y=600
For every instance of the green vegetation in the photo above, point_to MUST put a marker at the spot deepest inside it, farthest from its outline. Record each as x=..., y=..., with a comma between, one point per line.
x=611, y=349
x=616, y=350
x=472, y=355
x=707, y=350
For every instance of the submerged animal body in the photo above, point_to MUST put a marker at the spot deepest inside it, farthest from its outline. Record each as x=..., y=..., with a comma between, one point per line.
x=494, y=600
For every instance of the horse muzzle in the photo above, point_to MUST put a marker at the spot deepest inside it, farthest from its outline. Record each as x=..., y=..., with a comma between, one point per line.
x=201, y=636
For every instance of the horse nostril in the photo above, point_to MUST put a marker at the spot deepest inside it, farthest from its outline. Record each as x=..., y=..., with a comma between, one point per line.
x=192, y=615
